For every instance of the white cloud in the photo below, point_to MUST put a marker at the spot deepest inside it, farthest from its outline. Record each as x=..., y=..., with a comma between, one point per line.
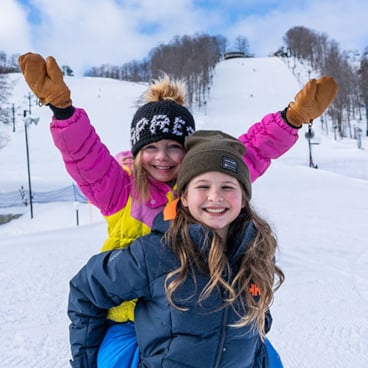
x=14, y=30
x=341, y=21
x=83, y=33
x=93, y=32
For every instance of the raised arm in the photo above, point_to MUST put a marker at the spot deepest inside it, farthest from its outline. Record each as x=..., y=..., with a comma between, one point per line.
x=86, y=158
x=276, y=133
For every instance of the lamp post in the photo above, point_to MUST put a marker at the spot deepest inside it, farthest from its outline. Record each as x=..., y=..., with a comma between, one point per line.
x=76, y=207
x=309, y=135
x=13, y=117
x=27, y=122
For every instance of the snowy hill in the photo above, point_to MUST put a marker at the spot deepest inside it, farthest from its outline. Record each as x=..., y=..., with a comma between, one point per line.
x=319, y=216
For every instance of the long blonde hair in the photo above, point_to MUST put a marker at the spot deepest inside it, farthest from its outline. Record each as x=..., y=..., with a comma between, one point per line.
x=257, y=267
x=160, y=89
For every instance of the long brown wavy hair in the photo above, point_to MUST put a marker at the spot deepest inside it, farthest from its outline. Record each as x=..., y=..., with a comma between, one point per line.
x=256, y=266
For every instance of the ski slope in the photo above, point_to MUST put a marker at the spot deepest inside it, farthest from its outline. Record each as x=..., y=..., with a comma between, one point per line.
x=320, y=218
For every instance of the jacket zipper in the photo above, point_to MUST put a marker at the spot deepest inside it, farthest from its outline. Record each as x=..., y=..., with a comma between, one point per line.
x=222, y=339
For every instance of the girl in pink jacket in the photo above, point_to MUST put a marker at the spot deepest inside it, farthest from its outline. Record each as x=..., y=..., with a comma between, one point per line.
x=131, y=200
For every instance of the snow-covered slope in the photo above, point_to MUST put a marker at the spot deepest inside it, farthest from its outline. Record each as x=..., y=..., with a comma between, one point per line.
x=319, y=216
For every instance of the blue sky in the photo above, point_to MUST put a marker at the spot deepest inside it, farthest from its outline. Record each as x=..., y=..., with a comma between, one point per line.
x=33, y=12
x=82, y=33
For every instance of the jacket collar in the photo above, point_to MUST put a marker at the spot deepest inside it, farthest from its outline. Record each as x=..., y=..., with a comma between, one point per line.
x=200, y=235
x=159, y=193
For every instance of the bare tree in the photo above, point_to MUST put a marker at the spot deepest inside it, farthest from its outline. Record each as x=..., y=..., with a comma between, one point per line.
x=325, y=57
x=67, y=70
x=191, y=59
x=242, y=44
x=363, y=82
x=5, y=111
x=8, y=64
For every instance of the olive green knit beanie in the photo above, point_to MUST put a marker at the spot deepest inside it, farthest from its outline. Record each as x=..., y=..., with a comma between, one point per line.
x=213, y=150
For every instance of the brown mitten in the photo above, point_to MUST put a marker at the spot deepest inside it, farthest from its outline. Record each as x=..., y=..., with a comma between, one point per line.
x=45, y=79
x=311, y=101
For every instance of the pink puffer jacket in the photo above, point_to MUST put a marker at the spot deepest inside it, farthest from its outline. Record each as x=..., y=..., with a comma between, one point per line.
x=108, y=187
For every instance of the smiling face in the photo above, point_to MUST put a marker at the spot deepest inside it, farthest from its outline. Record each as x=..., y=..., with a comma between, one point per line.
x=162, y=159
x=214, y=199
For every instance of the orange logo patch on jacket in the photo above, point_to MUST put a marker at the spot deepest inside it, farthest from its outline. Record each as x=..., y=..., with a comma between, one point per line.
x=254, y=290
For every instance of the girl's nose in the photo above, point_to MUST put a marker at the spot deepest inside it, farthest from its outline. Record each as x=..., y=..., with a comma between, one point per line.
x=162, y=154
x=215, y=195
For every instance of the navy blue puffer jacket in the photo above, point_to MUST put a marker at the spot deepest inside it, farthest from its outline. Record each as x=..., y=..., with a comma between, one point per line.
x=197, y=338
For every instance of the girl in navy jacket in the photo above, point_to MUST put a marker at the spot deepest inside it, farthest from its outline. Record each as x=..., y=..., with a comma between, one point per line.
x=204, y=277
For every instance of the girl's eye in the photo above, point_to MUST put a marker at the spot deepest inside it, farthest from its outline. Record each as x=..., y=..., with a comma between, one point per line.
x=227, y=188
x=176, y=147
x=149, y=148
